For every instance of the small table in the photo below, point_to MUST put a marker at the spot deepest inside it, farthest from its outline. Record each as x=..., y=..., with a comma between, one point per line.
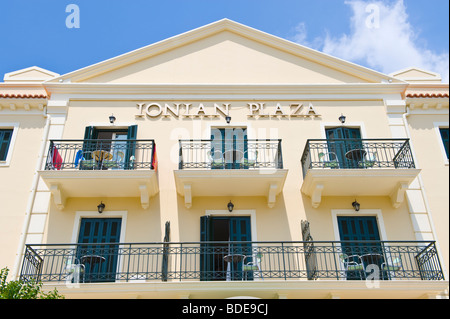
x=355, y=154
x=101, y=155
x=92, y=259
x=233, y=259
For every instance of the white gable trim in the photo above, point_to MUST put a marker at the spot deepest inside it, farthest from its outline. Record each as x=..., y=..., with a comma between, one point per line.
x=214, y=28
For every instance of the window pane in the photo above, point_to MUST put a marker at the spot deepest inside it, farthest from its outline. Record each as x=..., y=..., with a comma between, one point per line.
x=5, y=139
x=444, y=135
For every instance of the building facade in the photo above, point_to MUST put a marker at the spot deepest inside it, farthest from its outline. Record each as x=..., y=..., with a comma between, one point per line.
x=23, y=102
x=228, y=162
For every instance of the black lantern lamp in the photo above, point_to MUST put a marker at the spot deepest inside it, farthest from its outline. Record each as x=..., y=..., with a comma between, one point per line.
x=342, y=118
x=112, y=119
x=356, y=205
x=230, y=206
x=101, y=207
x=228, y=119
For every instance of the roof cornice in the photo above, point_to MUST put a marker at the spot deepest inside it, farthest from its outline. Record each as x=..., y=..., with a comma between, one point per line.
x=221, y=89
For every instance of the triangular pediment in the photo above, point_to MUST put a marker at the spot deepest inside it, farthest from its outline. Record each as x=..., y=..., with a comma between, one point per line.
x=31, y=74
x=224, y=52
x=417, y=75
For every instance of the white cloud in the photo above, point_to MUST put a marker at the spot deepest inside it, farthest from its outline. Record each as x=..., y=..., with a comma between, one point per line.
x=381, y=38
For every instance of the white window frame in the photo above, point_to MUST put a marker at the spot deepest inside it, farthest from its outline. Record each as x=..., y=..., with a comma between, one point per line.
x=9, y=154
x=437, y=126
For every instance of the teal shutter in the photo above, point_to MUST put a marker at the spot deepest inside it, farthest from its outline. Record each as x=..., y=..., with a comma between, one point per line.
x=212, y=265
x=5, y=139
x=445, y=138
x=240, y=229
x=130, y=154
x=89, y=133
x=229, y=140
x=206, y=249
x=89, y=145
x=132, y=132
x=94, y=232
x=359, y=228
x=340, y=141
x=217, y=140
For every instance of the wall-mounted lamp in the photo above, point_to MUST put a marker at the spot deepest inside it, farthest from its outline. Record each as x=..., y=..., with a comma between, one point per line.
x=112, y=119
x=342, y=118
x=230, y=206
x=356, y=205
x=228, y=119
x=101, y=207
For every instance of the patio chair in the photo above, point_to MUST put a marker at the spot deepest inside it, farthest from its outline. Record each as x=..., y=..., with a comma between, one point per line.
x=254, y=265
x=116, y=162
x=390, y=266
x=216, y=159
x=74, y=270
x=368, y=161
x=250, y=158
x=353, y=266
x=328, y=160
x=83, y=163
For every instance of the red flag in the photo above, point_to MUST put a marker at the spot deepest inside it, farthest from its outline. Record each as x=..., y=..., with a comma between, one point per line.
x=155, y=161
x=56, y=159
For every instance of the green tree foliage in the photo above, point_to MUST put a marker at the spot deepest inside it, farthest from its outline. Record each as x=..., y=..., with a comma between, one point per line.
x=19, y=289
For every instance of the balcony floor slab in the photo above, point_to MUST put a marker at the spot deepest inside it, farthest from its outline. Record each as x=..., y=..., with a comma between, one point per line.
x=101, y=183
x=268, y=289
x=229, y=182
x=358, y=182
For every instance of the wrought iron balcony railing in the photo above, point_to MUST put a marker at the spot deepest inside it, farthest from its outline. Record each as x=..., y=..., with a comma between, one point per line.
x=357, y=154
x=99, y=154
x=228, y=261
x=245, y=154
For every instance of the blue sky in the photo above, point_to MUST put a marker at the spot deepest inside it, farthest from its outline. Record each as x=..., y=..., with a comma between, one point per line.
x=385, y=35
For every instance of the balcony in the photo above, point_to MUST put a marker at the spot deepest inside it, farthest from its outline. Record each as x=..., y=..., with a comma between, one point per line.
x=101, y=168
x=218, y=261
x=357, y=167
x=248, y=168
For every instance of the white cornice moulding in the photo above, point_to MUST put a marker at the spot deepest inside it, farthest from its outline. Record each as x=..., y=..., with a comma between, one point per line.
x=320, y=90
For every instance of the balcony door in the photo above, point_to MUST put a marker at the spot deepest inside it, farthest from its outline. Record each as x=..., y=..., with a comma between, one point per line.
x=226, y=233
x=117, y=142
x=342, y=140
x=357, y=231
x=229, y=145
x=98, y=256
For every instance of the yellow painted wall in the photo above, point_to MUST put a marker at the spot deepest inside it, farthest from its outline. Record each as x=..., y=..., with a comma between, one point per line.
x=224, y=58
x=279, y=223
x=435, y=172
x=16, y=182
